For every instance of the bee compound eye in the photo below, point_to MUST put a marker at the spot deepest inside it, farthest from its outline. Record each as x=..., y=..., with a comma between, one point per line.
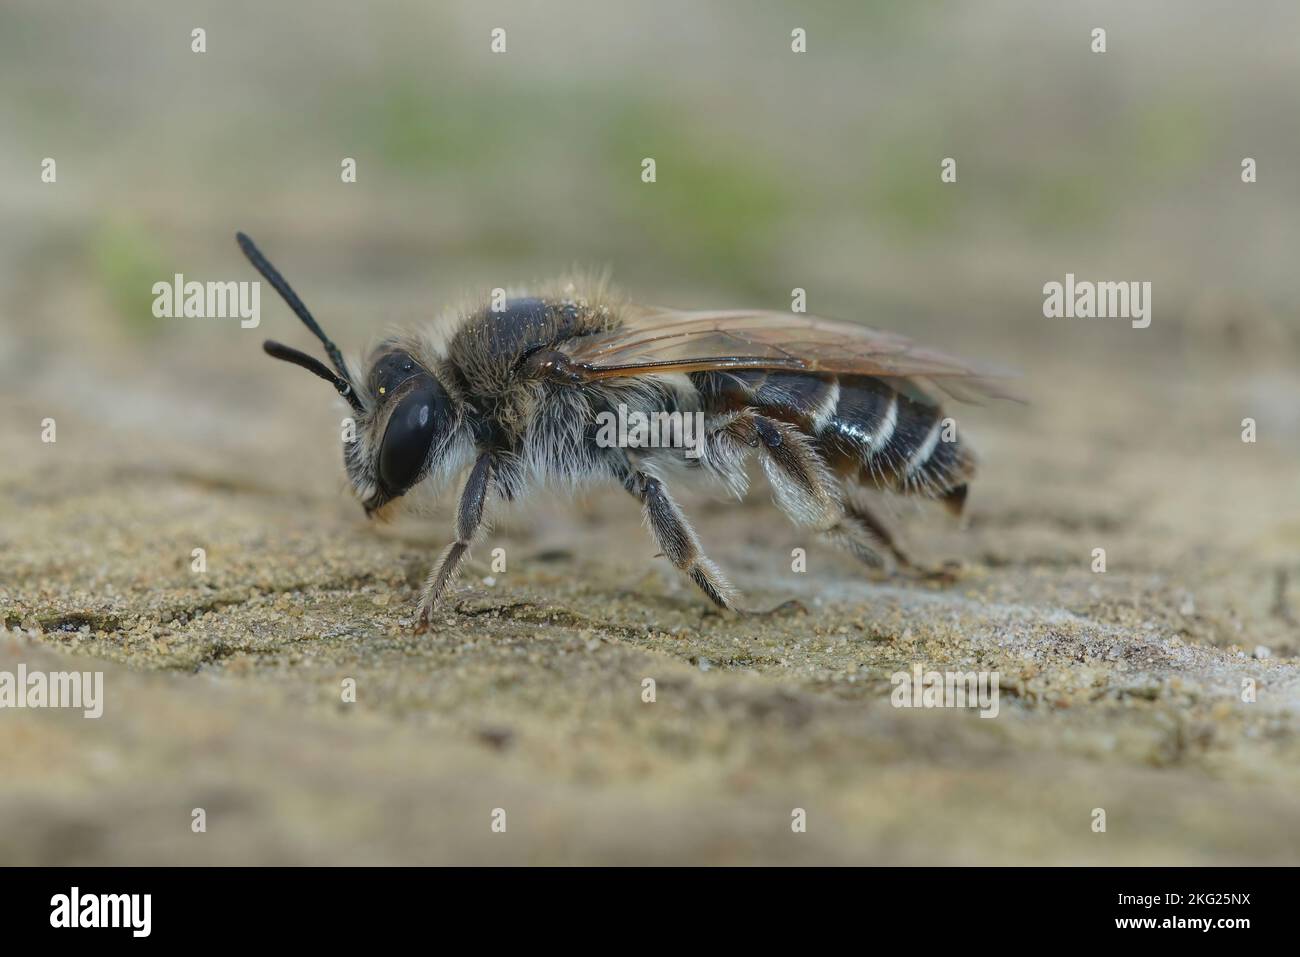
x=415, y=423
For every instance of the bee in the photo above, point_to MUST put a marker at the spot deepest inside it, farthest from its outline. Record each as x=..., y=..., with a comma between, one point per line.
x=513, y=392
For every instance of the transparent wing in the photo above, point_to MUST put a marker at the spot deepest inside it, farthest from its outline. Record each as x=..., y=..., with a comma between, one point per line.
x=664, y=340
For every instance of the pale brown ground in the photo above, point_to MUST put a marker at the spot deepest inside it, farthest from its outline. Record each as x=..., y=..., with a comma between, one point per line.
x=1121, y=690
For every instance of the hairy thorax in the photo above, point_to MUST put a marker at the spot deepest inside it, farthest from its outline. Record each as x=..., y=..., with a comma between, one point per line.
x=487, y=353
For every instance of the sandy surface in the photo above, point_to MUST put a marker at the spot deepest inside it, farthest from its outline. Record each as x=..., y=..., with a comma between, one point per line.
x=1121, y=690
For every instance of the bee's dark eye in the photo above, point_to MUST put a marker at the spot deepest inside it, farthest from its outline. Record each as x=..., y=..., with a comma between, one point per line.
x=421, y=415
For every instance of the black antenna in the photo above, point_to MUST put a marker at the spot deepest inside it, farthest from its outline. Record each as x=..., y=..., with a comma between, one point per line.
x=272, y=275
x=313, y=365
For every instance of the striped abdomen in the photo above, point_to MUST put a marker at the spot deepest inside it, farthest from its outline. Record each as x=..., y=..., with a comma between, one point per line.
x=864, y=428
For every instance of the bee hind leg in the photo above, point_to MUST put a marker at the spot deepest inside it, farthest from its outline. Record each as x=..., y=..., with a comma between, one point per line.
x=801, y=484
x=676, y=538
x=864, y=534
x=852, y=536
x=806, y=491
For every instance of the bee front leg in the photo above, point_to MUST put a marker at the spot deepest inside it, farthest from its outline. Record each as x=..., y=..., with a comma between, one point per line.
x=469, y=516
x=677, y=539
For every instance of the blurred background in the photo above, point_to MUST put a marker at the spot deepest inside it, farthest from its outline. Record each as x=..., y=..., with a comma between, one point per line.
x=775, y=170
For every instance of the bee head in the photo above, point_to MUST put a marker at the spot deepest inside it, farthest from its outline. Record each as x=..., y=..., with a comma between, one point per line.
x=407, y=423
x=407, y=431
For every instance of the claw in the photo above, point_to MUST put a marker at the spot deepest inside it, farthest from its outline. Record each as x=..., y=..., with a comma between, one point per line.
x=947, y=574
x=422, y=620
x=786, y=607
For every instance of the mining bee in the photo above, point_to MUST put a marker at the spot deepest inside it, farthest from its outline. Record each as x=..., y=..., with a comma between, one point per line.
x=513, y=391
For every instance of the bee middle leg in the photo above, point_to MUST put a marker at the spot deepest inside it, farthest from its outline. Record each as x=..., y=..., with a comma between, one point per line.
x=676, y=538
